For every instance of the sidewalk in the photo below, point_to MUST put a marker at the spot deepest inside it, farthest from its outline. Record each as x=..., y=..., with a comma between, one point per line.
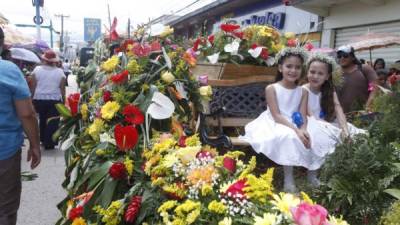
x=40, y=197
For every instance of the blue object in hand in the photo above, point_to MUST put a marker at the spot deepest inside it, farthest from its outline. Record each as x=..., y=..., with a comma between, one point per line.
x=297, y=119
x=322, y=114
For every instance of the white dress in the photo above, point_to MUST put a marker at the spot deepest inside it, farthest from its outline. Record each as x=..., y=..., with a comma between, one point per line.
x=314, y=106
x=281, y=143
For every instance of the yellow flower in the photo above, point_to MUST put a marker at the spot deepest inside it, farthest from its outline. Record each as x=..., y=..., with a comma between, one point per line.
x=250, y=167
x=178, y=221
x=225, y=221
x=205, y=92
x=100, y=152
x=206, y=190
x=267, y=219
x=169, y=160
x=110, y=216
x=79, y=221
x=128, y=165
x=84, y=111
x=259, y=188
x=175, y=189
x=337, y=221
x=189, y=210
x=193, y=140
x=94, y=98
x=202, y=174
x=306, y=198
x=167, y=206
x=290, y=35
x=187, y=154
x=110, y=64
x=109, y=109
x=164, y=145
x=133, y=67
x=193, y=215
x=167, y=31
x=167, y=77
x=217, y=207
x=284, y=202
x=95, y=128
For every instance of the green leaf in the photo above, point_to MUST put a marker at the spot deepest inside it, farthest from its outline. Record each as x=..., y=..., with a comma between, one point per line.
x=96, y=171
x=63, y=110
x=108, y=192
x=393, y=192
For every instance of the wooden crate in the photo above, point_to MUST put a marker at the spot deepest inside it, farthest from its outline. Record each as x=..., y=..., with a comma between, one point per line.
x=229, y=71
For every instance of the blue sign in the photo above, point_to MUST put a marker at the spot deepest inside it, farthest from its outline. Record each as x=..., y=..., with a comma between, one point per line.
x=276, y=20
x=92, y=29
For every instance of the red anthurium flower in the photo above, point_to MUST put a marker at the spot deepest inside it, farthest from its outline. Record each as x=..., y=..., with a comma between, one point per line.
x=155, y=46
x=141, y=50
x=133, y=115
x=107, y=96
x=254, y=46
x=309, y=46
x=72, y=101
x=75, y=213
x=238, y=34
x=291, y=43
x=211, y=38
x=133, y=209
x=126, y=43
x=117, y=171
x=229, y=164
x=229, y=27
x=237, y=188
x=120, y=77
x=196, y=44
x=264, y=54
x=181, y=141
x=126, y=137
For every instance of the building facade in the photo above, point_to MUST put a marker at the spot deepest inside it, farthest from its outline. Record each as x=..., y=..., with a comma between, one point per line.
x=207, y=19
x=345, y=20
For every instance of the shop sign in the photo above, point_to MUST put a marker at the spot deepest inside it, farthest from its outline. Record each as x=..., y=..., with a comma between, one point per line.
x=92, y=29
x=276, y=20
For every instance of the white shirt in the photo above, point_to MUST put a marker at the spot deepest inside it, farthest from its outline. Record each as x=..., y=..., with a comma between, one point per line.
x=48, y=80
x=66, y=67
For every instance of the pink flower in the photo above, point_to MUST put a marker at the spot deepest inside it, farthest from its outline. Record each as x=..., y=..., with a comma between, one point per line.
x=155, y=46
x=204, y=154
x=309, y=46
x=141, y=50
x=237, y=188
x=229, y=164
x=291, y=43
x=307, y=214
x=371, y=87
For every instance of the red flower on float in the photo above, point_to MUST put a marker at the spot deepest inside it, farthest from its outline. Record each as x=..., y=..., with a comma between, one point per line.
x=182, y=141
x=393, y=79
x=237, y=188
x=229, y=27
x=264, y=54
x=117, y=171
x=229, y=164
x=107, y=96
x=141, y=50
x=308, y=46
x=120, y=77
x=72, y=101
x=291, y=43
x=126, y=137
x=196, y=44
x=211, y=38
x=127, y=42
x=75, y=213
x=238, y=34
x=133, y=115
x=155, y=46
x=204, y=154
x=133, y=209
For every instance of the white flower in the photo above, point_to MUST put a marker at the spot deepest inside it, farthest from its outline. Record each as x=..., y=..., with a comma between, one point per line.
x=232, y=47
x=213, y=58
x=255, y=52
x=167, y=77
x=106, y=138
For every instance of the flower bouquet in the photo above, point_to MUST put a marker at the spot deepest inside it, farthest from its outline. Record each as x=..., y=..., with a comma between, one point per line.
x=131, y=156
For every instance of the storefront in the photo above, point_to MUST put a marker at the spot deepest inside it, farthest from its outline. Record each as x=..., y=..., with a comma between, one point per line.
x=346, y=20
x=245, y=13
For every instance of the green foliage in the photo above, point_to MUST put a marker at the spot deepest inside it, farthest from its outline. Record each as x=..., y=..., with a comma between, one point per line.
x=392, y=217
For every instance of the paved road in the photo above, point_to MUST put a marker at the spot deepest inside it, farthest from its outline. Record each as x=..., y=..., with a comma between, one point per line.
x=40, y=196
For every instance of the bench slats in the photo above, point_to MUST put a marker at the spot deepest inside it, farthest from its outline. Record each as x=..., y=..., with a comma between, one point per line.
x=242, y=81
x=229, y=122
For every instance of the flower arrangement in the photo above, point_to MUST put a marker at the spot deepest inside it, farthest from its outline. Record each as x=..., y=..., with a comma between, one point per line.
x=255, y=44
x=131, y=156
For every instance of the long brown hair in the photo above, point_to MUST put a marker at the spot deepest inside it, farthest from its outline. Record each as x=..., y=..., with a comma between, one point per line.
x=327, y=90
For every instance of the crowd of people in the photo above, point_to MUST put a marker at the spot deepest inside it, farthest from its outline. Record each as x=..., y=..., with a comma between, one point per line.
x=302, y=125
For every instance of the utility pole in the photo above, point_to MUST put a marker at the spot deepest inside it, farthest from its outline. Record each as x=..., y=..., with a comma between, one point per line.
x=62, y=16
x=37, y=19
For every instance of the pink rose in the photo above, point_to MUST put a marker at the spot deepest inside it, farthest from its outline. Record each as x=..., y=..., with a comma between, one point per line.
x=307, y=214
x=229, y=164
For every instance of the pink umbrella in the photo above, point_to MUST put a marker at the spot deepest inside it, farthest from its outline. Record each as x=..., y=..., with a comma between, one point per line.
x=372, y=41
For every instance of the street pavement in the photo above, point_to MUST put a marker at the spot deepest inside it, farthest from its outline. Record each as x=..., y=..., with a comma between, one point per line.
x=40, y=197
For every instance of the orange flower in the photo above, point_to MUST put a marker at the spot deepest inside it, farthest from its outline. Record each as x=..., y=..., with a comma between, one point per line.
x=201, y=174
x=189, y=59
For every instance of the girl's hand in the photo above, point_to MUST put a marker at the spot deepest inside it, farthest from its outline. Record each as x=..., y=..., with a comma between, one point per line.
x=304, y=137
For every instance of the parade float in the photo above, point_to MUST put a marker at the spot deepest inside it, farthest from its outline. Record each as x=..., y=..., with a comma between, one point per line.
x=133, y=155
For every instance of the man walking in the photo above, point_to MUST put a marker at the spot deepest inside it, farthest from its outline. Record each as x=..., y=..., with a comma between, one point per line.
x=16, y=114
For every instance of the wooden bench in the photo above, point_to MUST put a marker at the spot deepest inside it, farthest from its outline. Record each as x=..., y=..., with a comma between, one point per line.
x=234, y=104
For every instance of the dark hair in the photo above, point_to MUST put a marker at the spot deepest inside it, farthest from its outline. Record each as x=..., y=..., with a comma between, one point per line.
x=279, y=75
x=382, y=72
x=380, y=60
x=327, y=90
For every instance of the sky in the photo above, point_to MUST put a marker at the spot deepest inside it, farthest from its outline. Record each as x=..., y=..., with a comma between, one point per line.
x=139, y=11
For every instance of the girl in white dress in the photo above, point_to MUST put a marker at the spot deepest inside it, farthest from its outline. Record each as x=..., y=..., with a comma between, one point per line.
x=274, y=133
